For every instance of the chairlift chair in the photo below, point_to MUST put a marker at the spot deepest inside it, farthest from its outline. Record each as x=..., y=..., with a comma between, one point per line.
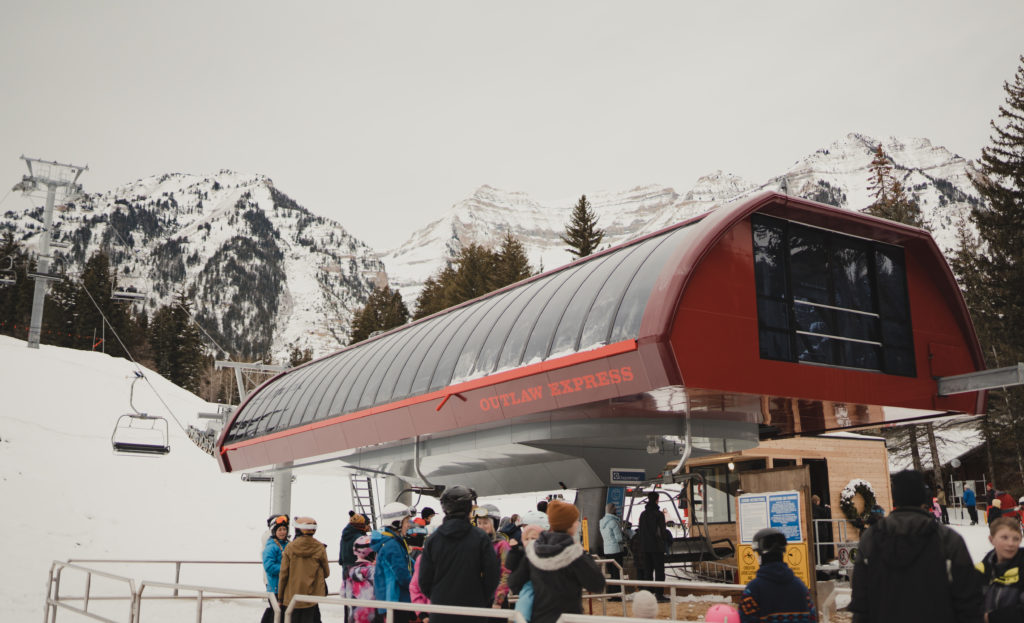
x=139, y=433
x=8, y=277
x=127, y=289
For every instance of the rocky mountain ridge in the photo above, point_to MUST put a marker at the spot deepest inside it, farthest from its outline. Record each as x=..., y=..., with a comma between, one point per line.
x=266, y=274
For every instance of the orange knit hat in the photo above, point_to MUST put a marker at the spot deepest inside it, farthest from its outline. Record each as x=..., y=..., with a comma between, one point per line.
x=561, y=515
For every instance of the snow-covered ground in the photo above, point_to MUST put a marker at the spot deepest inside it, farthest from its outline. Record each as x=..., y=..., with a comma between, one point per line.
x=67, y=496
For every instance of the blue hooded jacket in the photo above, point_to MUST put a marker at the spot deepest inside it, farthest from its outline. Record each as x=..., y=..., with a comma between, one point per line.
x=394, y=567
x=272, y=553
x=969, y=499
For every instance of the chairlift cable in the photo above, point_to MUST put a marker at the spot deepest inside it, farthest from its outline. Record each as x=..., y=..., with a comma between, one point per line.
x=181, y=307
x=132, y=359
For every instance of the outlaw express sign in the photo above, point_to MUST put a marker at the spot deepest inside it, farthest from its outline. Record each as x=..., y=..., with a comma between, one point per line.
x=613, y=376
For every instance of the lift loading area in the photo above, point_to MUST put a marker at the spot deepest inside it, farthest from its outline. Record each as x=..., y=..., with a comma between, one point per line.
x=762, y=319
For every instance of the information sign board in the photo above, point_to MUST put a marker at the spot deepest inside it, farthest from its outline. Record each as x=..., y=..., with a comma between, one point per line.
x=780, y=510
x=616, y=496
x=627, y=476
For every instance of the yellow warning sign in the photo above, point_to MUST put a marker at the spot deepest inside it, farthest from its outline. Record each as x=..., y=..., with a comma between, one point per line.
x=796, y=558
x=747, y=563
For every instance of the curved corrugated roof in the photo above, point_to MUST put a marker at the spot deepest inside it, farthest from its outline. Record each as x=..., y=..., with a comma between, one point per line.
x=588, y=304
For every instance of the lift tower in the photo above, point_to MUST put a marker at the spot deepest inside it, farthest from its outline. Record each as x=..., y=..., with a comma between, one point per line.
x=54, y=176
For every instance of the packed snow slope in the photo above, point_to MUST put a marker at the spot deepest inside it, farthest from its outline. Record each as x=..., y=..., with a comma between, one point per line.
x=66, y=495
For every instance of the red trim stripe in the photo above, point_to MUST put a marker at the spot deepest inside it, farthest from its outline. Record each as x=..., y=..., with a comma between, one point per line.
x=610, y=350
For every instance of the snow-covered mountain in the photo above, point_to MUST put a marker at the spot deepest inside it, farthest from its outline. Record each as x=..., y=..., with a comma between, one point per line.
x=837, y=175
x=265, y=273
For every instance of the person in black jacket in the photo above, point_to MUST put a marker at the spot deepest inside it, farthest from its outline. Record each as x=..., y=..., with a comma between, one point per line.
x=775, y=593
x=1003, y=569
x=458, y=566
x=652, y=533
x=558, y=567
x=356, y=528
x=910, y=568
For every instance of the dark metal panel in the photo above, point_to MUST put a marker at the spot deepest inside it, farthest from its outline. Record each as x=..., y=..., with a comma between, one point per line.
x=515, y=345
x=602, y=312
x=538, y=348
x=466, y=344
x=455, y=324
x=487, y=360
x=387, y=384
x=364, y=376
x=634, y=302
x=360, y=357
x=570, y=328
x=423, y=352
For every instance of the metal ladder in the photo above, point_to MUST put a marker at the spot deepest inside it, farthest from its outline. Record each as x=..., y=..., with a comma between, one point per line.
x=362, y=497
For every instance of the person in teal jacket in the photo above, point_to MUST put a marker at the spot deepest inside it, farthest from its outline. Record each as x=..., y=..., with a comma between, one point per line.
x=611, y=535
x=272, y=553
x=394, y=565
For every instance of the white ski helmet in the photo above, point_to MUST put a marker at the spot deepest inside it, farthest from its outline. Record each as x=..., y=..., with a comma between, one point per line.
x=392, y=514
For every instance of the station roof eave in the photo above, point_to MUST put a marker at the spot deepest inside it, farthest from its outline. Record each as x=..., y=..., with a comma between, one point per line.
x=587, y=342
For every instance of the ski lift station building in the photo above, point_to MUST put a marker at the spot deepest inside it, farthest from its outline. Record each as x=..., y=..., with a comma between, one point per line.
x=770, y=317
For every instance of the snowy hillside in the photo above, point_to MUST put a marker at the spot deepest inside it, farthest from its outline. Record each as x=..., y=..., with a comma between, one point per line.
x=65, y=494
x=837, y=175
x=266, y=273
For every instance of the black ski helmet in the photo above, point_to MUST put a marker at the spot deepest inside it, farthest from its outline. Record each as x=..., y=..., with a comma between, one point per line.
x=457, y=500
x=769, y=541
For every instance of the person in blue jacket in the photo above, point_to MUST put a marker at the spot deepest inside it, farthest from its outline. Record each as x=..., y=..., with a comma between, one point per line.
x=272, y=553
x=971, y=502
x=394, y=565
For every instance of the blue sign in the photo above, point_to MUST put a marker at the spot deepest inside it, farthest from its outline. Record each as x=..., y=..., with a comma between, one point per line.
x=784, y=515
x=616, y=496
x=627, y=476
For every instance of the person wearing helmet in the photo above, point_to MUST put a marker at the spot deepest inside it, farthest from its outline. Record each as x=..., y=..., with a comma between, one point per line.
x=272, y=552
x=910, y=568
x=394, y=565
x=360, y=578
x=775, y=593
x=458, y=566
x=486, y=518
x=357, y=527
x=304, y=570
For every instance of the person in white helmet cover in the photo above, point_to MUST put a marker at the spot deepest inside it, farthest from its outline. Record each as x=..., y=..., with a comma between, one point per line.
x=304, y=571
x=394, y=565
x=458, y=566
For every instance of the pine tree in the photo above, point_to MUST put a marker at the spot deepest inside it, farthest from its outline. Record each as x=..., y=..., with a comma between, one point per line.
x=298, y=356
x=177, y=344
x=436, y=293
x=511, y=264
x=891, y=199
x=582, y=234
x=384, y=310
x=474, y=275
x=991, y=268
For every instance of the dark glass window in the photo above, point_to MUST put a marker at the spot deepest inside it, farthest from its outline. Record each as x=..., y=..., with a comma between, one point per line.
x=831, y=299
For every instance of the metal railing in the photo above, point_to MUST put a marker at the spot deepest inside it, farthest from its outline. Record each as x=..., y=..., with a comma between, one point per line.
x=672, y=588
x=390, y=607
x=201, y=592
x=842, y=544
x=178, y=564
x=56, y=601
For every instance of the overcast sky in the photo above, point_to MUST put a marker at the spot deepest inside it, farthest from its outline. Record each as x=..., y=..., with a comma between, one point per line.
x=383, y=114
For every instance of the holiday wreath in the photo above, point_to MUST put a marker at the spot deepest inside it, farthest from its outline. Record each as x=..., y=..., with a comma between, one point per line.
x=851, y=489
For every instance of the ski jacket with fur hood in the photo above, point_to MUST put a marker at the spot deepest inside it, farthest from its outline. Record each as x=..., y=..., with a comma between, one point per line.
x=559, y=570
